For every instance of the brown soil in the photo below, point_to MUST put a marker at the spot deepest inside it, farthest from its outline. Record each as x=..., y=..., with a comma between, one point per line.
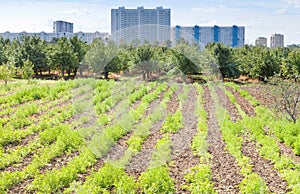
x=227, y=104
x=24, y=141
x=225, y=170
x=173, y=104
x=21, y=187
x=95, y=167
x=19, y=166
x=140, y=162
x=264, y=168
x=58, y=162
x=245, y=105
x=182, y=155
x=180, y=166
x=117, y=151
x=261, y=93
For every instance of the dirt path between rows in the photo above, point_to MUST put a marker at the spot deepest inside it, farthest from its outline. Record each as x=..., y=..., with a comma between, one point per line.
x=259, y=93
x=182, y=156
x=245, y=104
x=226, y=103
x=225, y=170
x=264, y=168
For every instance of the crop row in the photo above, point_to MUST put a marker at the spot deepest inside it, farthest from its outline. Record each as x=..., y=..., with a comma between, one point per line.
x=268, y=147
x=59, y=178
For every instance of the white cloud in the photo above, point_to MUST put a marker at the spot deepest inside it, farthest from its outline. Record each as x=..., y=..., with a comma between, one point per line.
x=202, y=10
x=27, y=2
x=295, y=3
x=76, y=12
x=281, y=11
x=208, y=23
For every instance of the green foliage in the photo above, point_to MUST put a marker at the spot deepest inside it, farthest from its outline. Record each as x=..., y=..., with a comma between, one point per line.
x=52, y=181
x=143, y=60
x=224, y=57
x=156, y=180
x=173, y=123
x=253, y=184
x=183, y=59
x=62, y=57
x=27, y=70
x=7, y=72
x=103, y=57
x=108, y=177
x=198, y=180
x=269, y=148
x=162, y=154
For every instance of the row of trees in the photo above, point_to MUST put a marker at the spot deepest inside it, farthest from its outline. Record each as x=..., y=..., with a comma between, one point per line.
x=69, y=56
x=59, y=55
x=257, y=61
x=145, y=59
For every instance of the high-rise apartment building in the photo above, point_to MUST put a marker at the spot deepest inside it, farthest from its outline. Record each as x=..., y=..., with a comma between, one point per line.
x=277, y=40
x=233, y=36
x=261, y=41
x=145, y=25
x=62, y=27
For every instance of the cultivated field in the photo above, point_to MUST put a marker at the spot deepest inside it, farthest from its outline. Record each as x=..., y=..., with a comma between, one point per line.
x=97, y=136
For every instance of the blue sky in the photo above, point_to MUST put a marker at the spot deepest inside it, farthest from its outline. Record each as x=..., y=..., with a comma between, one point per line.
x=260, y=17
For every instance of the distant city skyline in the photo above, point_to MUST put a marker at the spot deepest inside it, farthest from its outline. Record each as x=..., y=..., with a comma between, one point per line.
x=260, y=18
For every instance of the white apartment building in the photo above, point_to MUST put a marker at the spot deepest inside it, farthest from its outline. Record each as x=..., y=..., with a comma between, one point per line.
x=261, y=41
x=144, y=25
x=277, y=40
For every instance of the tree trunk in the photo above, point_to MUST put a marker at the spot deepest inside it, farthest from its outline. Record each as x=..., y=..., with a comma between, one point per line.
x=5, y=82
x=63, y=73
x=75, y=71
x=80, y=71
x=49, y=71
x=106, y=74
x=148, y=74
x=69, y=74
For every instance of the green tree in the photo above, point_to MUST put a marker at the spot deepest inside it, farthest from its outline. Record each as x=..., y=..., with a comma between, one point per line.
x=186, y=58
x=290, y=66
x=62, y=56
x=80, y=48
x=27, y=70
x=7, y=72
x=102, y=58
x=225, y=60
x=142, y=60
x=3, y=47
x=14, y=54
x=33, y=49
